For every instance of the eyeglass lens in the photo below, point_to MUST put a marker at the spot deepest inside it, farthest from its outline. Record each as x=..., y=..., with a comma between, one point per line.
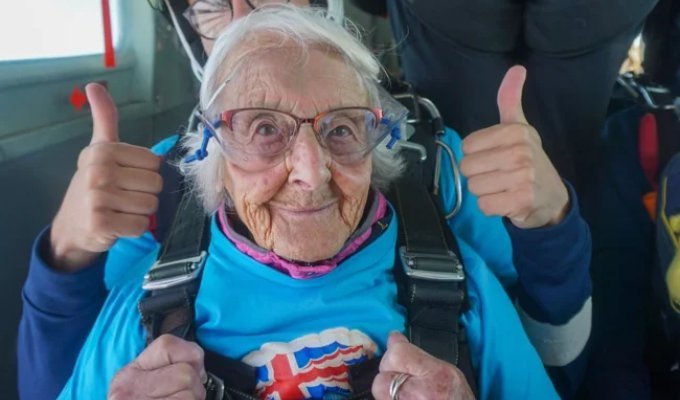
x=209, y=17
x=260, y=135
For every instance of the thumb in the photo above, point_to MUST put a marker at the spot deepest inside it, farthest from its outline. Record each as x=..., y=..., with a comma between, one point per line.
x=104, y=114
x=396, y=337
x=169, y=349
x=510, y=96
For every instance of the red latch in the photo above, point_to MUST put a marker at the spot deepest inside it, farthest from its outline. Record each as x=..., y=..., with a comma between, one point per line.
x=109, y=52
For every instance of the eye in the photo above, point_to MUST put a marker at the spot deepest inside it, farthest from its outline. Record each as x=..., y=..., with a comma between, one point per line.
x=266, y=129
x=268, y=136
x=341, y=132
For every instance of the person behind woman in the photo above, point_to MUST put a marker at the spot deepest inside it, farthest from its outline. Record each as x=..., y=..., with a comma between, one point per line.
x=573, y=51
x=302, y=240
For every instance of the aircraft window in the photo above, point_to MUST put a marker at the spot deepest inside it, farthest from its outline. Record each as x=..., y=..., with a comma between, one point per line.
x=50, y=29
x=50, y=52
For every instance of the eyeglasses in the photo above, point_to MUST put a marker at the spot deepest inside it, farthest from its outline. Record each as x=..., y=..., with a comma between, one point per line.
x=209, y=17
x=257, y=138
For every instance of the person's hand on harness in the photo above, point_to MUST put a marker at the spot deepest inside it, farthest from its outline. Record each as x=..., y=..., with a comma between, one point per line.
x=169, y=367
x=111, y=195
x=507, y=168
x=407, y=373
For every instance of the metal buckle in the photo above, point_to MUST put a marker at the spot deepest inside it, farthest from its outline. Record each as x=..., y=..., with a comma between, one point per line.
x=192, y=267
x=214, y=387
x=409, y=101
x=410, y=261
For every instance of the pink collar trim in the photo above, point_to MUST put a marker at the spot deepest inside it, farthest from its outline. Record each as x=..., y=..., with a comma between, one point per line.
x=297, y=271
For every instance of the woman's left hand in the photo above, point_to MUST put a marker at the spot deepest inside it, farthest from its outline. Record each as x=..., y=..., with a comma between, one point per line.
x=427, y=377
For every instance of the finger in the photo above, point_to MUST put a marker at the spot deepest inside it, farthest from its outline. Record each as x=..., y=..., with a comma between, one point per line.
x=499, y=136
x=138, y=157
x=506, y=158
x=445, y=382
x=104, y=114
x=380, y=389
x=396, y=337
x=500, y=181
x=174, y=379
x=122, y=154
x=125, y=202
x=515, y=204
x=169, y=349
x=186, y=395
x=112, y=225
x=510, y=96
x=139, y=180
x=402, y=356
x=107, y=176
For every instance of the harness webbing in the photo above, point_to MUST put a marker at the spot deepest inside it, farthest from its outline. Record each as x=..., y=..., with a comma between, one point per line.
x=173, y=281
x=431, y=282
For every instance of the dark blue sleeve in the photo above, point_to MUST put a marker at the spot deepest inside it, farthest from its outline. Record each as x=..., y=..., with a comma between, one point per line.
x=58, y=311
x=553, y=266
x=554, y=283
x=568, y=378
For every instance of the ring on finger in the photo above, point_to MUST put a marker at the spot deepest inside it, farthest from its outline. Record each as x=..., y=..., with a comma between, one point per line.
x=395, y=385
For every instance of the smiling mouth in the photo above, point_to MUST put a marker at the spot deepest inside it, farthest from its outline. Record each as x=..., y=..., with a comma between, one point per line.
x=305, y=210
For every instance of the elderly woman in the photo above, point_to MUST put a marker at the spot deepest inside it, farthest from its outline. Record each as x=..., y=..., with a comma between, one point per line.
x=302, y=241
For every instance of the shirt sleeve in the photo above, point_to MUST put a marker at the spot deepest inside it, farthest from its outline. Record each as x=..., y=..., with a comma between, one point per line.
x=553, y=293
x=546, y=270
x=553, y=267
x=59, y=310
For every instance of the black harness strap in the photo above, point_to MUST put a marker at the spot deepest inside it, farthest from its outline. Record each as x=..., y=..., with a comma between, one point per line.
x=172, y=285
x=173, y=281
x=171, y=194
x=431, y=277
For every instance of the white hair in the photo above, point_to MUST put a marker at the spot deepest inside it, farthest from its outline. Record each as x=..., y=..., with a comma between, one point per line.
x=305, y=28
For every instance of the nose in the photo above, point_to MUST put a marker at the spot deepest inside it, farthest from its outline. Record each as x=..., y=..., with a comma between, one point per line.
x=240, y=8
x=308, y=162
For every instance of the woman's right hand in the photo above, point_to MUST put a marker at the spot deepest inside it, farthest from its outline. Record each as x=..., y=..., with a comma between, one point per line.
x=111, y=195
x=170, y=368
x=426, y=377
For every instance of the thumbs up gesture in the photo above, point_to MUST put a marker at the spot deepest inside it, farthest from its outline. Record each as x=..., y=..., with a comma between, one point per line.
x=507, y=168
x=111, y=195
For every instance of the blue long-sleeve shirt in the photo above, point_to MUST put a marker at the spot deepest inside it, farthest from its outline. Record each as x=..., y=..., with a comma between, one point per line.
x=551, y=284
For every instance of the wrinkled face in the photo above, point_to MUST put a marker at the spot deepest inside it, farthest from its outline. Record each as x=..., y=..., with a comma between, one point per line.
x=241, y=8
x=305, y=207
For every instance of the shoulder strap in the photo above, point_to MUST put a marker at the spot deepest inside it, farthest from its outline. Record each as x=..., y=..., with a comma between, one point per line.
x=171, y=287
x=172, y=282
x=430, y=276
x=171, y=194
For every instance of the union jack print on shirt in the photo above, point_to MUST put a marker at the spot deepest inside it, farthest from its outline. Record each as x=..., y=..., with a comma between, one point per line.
x=310, y=367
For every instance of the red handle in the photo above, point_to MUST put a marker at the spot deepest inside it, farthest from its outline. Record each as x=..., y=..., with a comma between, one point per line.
x=109, y=53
